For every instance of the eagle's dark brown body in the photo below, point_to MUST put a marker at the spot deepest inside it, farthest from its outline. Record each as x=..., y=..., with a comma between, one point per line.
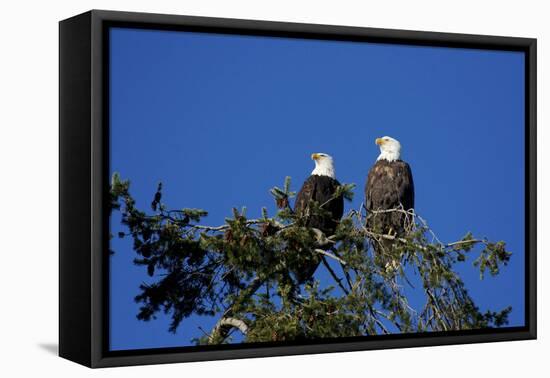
x=389, y=186
x=319, y=189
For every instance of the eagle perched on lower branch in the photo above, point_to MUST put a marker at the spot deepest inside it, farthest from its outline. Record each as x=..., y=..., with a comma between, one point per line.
x=389, y=186
x=320, y=188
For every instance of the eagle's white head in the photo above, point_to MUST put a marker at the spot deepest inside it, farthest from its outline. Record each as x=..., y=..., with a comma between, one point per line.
x=390, y=149
x=324, y=165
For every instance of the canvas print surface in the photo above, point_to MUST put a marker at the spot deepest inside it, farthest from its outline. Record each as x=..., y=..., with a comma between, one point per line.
x=287, y=190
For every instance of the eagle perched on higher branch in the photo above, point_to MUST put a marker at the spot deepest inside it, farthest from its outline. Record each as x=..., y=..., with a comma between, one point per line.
x=389, y=195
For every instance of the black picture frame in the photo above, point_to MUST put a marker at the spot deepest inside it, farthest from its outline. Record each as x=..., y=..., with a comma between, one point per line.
x=83, y=195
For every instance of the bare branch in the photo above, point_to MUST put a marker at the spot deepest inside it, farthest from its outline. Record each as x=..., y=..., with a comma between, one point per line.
x=460, y=242
x=325, y=253
x=226, y=226
x=227, y=324
x=333, y=274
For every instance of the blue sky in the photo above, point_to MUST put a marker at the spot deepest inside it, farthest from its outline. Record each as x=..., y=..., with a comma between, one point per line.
x=221, y=119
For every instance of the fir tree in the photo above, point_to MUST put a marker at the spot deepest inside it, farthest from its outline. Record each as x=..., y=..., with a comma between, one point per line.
x=241, y=272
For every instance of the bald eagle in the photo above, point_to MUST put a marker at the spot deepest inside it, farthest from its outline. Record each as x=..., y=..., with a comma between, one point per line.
x=389, y=186
x=320, y=187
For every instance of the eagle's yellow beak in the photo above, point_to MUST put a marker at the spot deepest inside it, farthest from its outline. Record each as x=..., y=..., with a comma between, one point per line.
x=314, y=156
x=379, y=141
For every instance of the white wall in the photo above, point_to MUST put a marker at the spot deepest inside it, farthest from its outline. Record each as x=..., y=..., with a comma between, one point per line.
x=28, y=194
